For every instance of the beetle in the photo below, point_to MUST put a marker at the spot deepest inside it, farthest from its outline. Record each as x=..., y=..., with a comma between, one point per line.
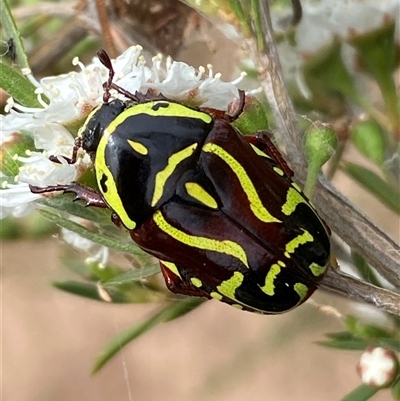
x=218, y=209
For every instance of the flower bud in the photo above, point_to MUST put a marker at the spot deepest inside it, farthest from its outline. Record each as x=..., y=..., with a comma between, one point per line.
x=378, y=367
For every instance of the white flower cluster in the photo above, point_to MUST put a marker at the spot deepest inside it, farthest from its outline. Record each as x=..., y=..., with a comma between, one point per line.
x=72, y=96
x=324, y=21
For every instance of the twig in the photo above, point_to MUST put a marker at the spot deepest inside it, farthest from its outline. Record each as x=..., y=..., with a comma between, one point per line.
x=352, y=288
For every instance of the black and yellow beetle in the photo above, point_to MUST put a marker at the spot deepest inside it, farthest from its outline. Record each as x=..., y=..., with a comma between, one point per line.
x=218, y=209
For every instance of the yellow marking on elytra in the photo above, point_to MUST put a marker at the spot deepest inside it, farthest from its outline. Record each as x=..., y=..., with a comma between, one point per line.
x=280, y=263
x=317, y=269
x=155, y=108
x=163, y=175
x=138, y=147
x=172, y=267
x=237, y=306
x=255, y=202
x=196, y=282
x=259, y=152
x=228, y=247
x=301, y=289
x=279, y=171
x=216, y=295
x=229, y=287
x=269, y=286
x=111, y=195
x=196, y=191
x=296, y=186
x=297, y=241
x=293, y=198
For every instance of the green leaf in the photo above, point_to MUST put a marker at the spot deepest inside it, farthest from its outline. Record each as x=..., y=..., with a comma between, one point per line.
x=378, y=55
x=167, y=313
x=133, y=275
x=342, y=335
x=365, y=269
x=89, y=290
x=65, y=203
x=396, y=389
x=389, y=343
x=18, y=87
x=369, y=138
x=11, y=31
x=352, y=344
x=325, y=71
x=375, y=184
x=240, y=10
x=365, y=331
x=361, y=393
x=95, y=237
x=16, y=145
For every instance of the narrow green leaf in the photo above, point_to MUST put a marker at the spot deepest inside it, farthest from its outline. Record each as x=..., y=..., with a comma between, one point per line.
x=18, y=87
x=389, y=343
x=365, y=331
x=95, y=237
x=167, y=313
x=375, y=184
x=65, y=203
x=365, y=269
x=369, y=138
x=342, y=335
x=88, y=290
x=396, y=389
x=361, y=393
x=351, y=345
x=11, y=32
x=237, y=8
x=325, y=71
x=257, y=25
x=133, y=275
x=378, y=55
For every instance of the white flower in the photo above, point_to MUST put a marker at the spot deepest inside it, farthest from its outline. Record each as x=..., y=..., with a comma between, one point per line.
x=377, y=367
x=72, y=96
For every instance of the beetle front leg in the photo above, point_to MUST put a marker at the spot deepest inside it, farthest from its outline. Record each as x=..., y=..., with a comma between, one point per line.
x=89, y=195
x=74, y=157
x=262, y=141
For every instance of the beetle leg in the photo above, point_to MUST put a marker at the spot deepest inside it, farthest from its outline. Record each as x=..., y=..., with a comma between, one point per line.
x=176, y=283
x=89, y=195
x=262, y=141
x=69, y=160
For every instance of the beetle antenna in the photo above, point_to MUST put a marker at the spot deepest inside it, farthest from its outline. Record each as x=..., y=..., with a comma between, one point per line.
x=106, y=61
x=109, y=84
